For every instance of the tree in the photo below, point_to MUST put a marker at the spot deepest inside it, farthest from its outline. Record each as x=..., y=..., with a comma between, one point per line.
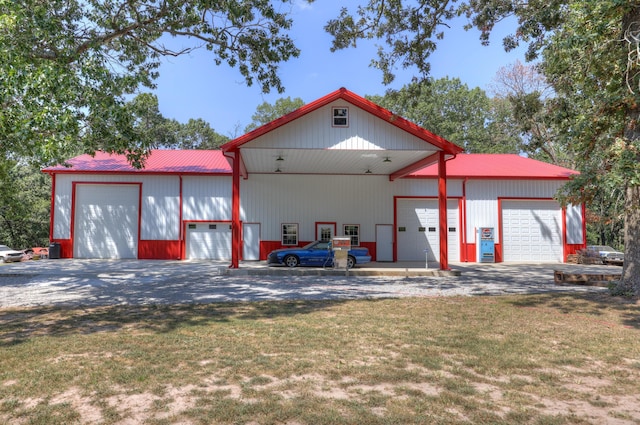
x=527, y=94
x=198, y=134
x=67, y=66
x=25, y=201
x=448, y=107
x=266, y=112
x=156, y=131
x=589, y=54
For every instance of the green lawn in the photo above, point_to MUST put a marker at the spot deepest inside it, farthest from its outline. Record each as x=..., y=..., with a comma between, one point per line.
x=552, y=359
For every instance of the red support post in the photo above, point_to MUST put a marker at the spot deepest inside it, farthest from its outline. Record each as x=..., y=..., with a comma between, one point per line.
x=442, y=207
x=236, y=237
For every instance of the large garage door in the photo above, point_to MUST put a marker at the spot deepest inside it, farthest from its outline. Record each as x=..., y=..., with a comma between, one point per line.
x=532, y=231
x=418, y=229
x=208, y=241
x=106, y=221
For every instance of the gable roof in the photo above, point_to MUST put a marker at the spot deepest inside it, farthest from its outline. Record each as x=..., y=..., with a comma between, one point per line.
x=497, y=166
x=362, y=103
x=158, y=162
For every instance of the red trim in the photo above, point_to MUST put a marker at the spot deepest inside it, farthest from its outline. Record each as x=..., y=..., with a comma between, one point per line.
x=159, y=250
x=236, y=230
x=183, y=245
x=356, y=100
x=431, y=159
x=584, y=227
x=180, y=232
x=446, y=228
x=329, y=223
x=563, y=233
x=442, y=209
x=73, y=209
x=53, y=198
x=464, y=253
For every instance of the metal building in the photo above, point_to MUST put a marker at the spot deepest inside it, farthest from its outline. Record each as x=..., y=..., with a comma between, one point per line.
x=338, y=166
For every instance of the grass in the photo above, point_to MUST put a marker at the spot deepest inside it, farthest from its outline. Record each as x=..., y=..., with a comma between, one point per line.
x=546, y=359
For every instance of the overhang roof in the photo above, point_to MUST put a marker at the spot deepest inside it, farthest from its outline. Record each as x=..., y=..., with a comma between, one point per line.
x=158, y=162
x=371, y=156
x=497, y=166
x=213, y=162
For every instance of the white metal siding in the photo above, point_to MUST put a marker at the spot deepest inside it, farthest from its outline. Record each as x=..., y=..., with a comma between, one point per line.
x=575, y=233
x=314, y=131
x=208, y=241
x=160, y=208
x=482, y=200
x=206, y=198
x=106, y=221
x=532, y=231
x=160, y=203
x=414, y=215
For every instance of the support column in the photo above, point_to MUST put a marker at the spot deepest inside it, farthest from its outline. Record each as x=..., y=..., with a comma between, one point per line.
x=236, y=236
x=442, y=208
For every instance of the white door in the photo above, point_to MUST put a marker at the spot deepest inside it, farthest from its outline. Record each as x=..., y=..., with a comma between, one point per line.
x=419, y=230
x=251, y=241
x=532, y=231
x=325, y=231
x=208, y=241
x=106, y=221
x=384, y=242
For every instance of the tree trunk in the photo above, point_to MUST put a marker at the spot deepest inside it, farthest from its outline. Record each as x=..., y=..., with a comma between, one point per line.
x=630, y=272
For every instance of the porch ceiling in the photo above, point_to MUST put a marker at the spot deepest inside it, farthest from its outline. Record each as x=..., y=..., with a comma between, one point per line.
x=329, y=161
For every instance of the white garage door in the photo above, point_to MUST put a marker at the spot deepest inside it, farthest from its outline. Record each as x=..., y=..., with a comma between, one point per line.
x=532, y=231
x=106, y=221
x=418, y=229
x=208, y=241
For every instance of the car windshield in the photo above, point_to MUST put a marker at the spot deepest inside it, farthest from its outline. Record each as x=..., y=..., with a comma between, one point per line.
x=317, y=245
x=4, y=248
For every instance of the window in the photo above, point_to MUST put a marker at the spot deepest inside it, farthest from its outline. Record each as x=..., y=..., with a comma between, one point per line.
x=326, y=233
x=340, y=117
x=353, y=231
x=289, y=234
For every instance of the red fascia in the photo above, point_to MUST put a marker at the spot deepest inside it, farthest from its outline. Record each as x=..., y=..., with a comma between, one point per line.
x=358, y=101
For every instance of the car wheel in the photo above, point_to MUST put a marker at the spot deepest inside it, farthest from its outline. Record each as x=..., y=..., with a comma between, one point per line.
x=351, y=262
x=291, y=261
x=4, y=259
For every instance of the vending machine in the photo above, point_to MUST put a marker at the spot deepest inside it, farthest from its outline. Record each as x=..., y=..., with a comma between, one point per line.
x=486, y=241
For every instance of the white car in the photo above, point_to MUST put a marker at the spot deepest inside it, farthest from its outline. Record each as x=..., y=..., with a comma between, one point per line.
x=607, y=254
x=8, y=255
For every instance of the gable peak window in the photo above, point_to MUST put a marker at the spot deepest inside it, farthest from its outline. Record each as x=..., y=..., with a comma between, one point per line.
x=340, y=116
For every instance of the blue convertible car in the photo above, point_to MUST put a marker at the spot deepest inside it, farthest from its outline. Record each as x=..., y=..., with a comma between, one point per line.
x=318, y=253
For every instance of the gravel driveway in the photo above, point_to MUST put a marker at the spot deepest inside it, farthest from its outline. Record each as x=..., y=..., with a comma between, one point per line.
x=140, y=282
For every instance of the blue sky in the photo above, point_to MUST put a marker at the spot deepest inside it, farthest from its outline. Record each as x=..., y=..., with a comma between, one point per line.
x=194, y=87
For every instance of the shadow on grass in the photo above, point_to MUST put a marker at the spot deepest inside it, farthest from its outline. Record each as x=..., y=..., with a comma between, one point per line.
x=19, y=325
x=596, y=305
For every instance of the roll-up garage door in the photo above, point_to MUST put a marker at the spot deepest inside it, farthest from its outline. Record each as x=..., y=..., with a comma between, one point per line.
x=419, y=229
x=106, y=221
x=208, y=241
x=532, y=231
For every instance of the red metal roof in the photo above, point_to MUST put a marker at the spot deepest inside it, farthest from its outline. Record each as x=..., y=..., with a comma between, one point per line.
x=358, y=101
x=476, y=166
x=497, y=166
x=158, y=162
